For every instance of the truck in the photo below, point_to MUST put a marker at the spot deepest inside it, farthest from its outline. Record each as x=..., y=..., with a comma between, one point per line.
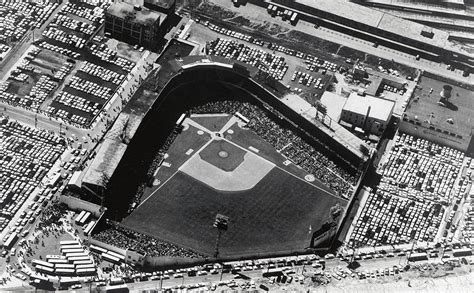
x=274, y=272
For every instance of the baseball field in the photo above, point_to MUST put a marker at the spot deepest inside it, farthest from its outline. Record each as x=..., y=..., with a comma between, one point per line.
x=271, y=209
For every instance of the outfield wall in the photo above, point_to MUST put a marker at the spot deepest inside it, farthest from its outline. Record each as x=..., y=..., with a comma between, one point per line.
x=212, y=82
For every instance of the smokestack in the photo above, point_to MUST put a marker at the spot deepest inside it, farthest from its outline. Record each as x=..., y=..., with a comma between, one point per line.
x=366, y=118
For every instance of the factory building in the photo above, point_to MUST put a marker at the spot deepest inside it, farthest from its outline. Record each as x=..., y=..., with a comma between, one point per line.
x=366, y=114
x=135, y=25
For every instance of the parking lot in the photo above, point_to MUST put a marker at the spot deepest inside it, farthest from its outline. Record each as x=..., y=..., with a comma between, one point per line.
x=232, y=44
x=418, y=196
x=27, y=155
x=17, y=18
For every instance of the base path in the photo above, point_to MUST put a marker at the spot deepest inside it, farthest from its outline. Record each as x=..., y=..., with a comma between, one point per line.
x=244, y=177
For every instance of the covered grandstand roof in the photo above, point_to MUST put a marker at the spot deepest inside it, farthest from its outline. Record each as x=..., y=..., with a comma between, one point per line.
x=105, y=162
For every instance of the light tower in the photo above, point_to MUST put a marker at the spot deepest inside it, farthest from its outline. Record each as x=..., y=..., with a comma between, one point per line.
x=221, y=223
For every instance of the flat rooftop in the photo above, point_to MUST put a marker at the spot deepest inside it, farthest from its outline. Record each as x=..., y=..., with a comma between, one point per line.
x=143, y=16
x=105, y=162
x=425, y=109
x=379, y=108
x=384, y=21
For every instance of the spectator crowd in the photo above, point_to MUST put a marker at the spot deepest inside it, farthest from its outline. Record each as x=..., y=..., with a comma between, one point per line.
x=126, y=239
x=292, y=146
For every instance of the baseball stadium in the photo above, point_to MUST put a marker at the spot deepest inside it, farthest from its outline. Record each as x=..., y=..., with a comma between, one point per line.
x=218, y=144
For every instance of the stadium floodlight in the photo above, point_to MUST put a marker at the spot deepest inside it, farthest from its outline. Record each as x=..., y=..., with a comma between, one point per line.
x=221, y=223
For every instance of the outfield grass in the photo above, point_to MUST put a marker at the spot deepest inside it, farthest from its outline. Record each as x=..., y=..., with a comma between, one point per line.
x=274, y=216
x=235, y=154
x=212, y=123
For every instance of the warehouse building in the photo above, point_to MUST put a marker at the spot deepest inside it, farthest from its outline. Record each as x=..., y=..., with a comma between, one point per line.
x=135, y=25
x=366, y=114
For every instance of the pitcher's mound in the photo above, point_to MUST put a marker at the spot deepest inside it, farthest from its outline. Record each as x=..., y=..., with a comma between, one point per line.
x=223, y=154
x=244, y=176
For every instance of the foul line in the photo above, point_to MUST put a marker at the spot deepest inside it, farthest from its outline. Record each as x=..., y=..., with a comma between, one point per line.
x=179, y=168
x=317, y=187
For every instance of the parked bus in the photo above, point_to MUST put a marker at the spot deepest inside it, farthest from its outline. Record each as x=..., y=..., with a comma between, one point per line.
x=79, y=217
x=110, y=258
x=418, y=256
x=37, y=262
x=113, y=253
x=74, y=254
x=71, y=246
x=77, y=258
x=68, y=242
x=54, y=256
x=462, y=252
x=58, y=260
x=272, y=272
x=85, y=266
x=82, y=262
x=84, y=219
x=64, y=272
x=11, y=241
x=72, y=250
x=97, y=249
x=89, y=227
x=46, y=270
x=86, y=272
x=64, y=266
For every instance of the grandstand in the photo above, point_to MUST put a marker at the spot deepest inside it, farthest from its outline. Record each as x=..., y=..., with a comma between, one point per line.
x=341, y=158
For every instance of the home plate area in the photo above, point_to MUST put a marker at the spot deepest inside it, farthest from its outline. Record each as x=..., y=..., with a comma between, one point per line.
x=226, y=167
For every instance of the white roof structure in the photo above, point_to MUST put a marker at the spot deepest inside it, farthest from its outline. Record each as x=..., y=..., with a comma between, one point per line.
x=379, y=108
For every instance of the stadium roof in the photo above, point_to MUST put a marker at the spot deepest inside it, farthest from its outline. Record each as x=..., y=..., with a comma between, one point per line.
x=384, y=21
x=379, y=108
x=143, y=16
x=105, y=162
x=76, y=179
